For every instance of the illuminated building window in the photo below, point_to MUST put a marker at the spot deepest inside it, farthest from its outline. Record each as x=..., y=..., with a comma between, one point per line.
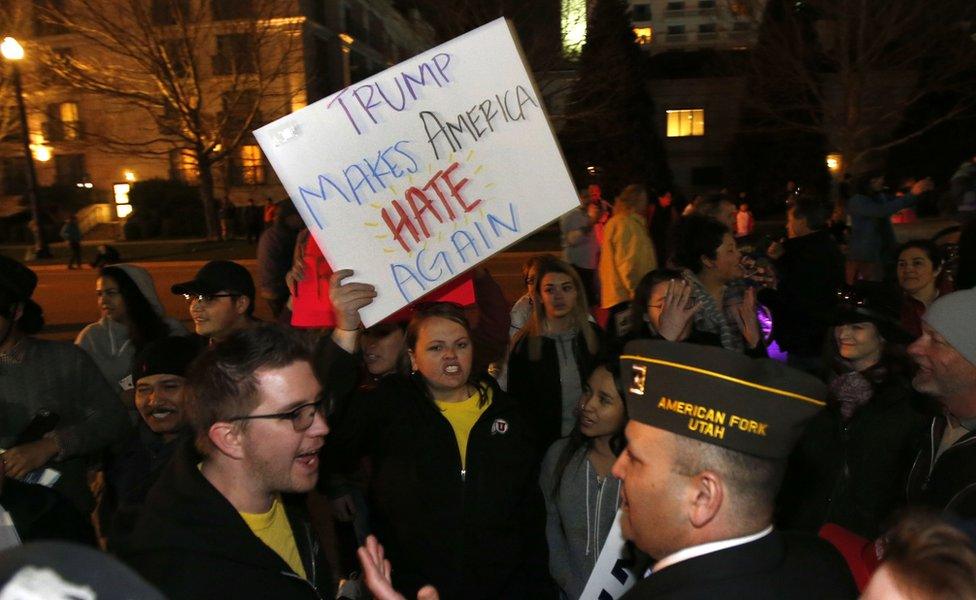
x=250, y=165
x=62, y=122
x=686, y=122
x=183, y=166
x=573, y=26
x=645, y=35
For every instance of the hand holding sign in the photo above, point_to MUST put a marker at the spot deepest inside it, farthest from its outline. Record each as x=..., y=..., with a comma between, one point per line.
x=348, y=298
x=418, y=174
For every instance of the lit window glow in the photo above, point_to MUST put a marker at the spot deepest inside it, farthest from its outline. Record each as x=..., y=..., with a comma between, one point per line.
x=123, y=210
x=252, y=165
x=645, y=35
x=686, y=122
x=121, y=192
x=41, y=153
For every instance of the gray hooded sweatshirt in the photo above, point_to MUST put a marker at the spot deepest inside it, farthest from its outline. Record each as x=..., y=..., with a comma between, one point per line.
x=578, y=518
x=107, y=341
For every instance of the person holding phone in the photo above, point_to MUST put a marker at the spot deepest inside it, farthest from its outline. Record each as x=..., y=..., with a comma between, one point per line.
x=44, y=375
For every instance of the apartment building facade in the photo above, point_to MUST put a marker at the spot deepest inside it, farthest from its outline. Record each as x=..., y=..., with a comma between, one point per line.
x=311, y=47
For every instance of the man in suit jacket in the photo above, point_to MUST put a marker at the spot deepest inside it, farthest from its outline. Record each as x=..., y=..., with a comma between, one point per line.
x=708, y=435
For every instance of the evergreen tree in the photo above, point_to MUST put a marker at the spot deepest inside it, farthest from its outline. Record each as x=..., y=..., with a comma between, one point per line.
x=611, y=123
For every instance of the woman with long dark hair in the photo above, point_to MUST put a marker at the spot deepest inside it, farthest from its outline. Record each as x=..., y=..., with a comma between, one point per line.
x=849, y=466
x=132, y=317
x=582, y=495
x=555, y=350
x=453, y=496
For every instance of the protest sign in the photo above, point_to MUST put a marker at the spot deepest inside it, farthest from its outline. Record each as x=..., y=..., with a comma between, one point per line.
x=417, y=174
x=613, y=573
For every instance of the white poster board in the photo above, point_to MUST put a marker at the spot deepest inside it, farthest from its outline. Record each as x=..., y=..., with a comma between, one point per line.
x=613, y=573
x=417, y=174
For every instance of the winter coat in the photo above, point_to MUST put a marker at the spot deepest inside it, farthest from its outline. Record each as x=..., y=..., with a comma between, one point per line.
x=60, y=377
x=853, y=473
x=191, y=543
x=626, y=255
x=950, y=484
x=872, y=237
x=537, y=386
x=129, y=475
x=473, y=533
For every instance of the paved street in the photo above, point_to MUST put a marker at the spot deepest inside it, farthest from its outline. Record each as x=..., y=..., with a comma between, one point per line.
x=68, y=297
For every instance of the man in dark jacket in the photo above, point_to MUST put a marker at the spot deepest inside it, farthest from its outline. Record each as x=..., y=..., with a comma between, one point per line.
x=708, y=434
x=220, y=521
x=944, y=474
x=159, y=376
x=810, y=268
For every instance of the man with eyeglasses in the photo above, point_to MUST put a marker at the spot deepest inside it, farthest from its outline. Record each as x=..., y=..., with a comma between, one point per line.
x=222, y=521
x=220, y=298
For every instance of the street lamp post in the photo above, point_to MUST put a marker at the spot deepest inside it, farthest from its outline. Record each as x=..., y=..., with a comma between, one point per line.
x=14, y=52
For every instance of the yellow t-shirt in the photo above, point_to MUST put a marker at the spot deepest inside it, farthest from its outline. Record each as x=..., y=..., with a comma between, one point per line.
x=274, y=530
x=462, y=417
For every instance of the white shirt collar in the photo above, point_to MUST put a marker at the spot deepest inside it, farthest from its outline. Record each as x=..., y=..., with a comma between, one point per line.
x=702, y=549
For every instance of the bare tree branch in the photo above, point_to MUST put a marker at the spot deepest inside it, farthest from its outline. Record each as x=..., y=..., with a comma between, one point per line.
x=201, y=81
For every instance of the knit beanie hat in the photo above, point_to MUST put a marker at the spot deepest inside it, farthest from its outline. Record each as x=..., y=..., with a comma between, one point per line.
x=953, y=317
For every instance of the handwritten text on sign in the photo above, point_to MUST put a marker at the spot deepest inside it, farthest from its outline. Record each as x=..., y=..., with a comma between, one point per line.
x=419, y=173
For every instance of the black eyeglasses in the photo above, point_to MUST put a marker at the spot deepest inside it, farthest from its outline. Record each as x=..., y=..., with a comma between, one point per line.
x=206, y=298
x=301, y=417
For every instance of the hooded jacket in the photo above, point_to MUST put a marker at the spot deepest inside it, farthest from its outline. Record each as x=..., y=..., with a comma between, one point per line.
x=946, y=483
x=537, y=385
x=472, y=533
x=191, y=543
x=107, y=341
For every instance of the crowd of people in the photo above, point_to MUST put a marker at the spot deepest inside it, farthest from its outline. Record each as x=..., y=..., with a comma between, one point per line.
x=489, y=450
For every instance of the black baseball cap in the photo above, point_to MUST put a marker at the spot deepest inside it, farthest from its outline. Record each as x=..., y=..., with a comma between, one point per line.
x=754, y=406
x=219, y=276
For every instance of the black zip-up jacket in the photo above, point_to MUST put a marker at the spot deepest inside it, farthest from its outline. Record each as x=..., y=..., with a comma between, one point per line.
x=950, y=484
x=477, y=532
x=536, y=384
x=191, y=543
x=852, y=473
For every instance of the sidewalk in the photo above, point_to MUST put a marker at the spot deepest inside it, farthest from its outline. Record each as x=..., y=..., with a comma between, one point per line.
x=200, y=250
x=156, y=251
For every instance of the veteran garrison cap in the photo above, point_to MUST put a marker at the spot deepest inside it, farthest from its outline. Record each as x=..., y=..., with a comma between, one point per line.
x=754, y=406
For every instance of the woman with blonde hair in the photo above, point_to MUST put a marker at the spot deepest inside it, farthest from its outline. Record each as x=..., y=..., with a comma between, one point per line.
x=626, y=254
x=554, y=352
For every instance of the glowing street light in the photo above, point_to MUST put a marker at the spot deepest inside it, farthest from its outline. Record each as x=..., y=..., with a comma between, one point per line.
x=11, y=49
x=13, y=52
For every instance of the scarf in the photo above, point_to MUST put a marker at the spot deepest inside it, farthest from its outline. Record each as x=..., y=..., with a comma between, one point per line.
x=712, y=318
